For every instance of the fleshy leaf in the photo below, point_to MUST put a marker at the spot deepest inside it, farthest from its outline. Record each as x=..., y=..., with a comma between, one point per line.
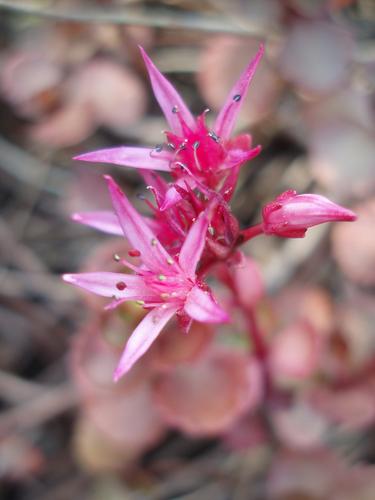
x=142, y=337
x=225, y=120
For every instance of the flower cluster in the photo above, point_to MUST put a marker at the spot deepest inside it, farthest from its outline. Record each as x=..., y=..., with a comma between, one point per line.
x=192, y=227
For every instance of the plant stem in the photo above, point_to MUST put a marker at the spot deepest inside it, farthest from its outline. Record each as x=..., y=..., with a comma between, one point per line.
x=250, y=232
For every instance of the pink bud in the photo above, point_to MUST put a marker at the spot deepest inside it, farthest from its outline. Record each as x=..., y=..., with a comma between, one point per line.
x=291, y=214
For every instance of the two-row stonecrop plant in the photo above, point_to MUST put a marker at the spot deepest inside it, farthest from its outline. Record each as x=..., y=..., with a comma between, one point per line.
x=191, y=231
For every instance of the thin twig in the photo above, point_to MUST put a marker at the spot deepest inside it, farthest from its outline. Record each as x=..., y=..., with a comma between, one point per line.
x=16, y=284
x=24, y=167
x=145, y=16
x=18, y=253
x=38, y=410
x=14, y=389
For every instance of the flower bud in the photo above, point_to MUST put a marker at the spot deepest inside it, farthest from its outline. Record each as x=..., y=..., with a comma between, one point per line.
x=291, y=214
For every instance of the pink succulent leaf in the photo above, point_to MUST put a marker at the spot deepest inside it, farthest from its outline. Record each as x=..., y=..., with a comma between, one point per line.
x=209, y=394
x=226, y=119
x=201, y=306
x=107, y=284
x=142, y=338
x=291, y=214
x=103, y=220
x=171, y=103
x=193, y=246
x=247, y=281
x=138, y=233
x=145, y=158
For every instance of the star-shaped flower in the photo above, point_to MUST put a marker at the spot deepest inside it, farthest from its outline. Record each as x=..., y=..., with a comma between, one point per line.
x=192, y=151
x=162, y=284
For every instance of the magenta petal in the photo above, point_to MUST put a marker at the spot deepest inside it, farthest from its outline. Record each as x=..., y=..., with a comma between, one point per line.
x=237, y=157
x=201, y=306
x=157, y=183
x=142, y=338
x=137, y=231
x=192, y=248
x=129, y=157
x=172, y=196
x=109, y=284
x=168, y=98
x=103, y=220
x=228, y=114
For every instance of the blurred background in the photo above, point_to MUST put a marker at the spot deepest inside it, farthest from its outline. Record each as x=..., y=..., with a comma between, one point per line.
x=188, y=422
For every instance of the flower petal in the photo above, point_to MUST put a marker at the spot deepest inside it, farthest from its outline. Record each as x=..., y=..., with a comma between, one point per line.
x=192, y=248
x=109, y=284
x=168, y=98
x=138, y=233
x=201, y=306
x=142, y=338
x=146, y=158
x=172, y=196
x=225, y=120
x=103, y=220
x=237, y=157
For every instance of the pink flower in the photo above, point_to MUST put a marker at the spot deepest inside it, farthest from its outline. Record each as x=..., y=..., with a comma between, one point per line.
x=162, y=284
x=192, y=150
x=171, y=222
x=291, y=214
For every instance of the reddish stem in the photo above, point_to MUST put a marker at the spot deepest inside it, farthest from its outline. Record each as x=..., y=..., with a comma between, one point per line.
x=256, y=336
x=250, y=232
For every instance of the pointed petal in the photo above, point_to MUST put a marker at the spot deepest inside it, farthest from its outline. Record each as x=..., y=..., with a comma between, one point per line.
x=106, y=284
x=103, y=220
x=201, y=306
x=225, y=121
x=138, y=233
x=142, y=338
x=237, y=157
x=229, y=185
x=168, y=98
x=130, y=157
x=192, y=248
x=172, y=196
x=155, y=181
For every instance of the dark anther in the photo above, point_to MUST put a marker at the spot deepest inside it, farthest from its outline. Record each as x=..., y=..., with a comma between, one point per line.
x=214, y=136
x=196, y=145
x=159, y=148
x=237, y=98
x=175, y=109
